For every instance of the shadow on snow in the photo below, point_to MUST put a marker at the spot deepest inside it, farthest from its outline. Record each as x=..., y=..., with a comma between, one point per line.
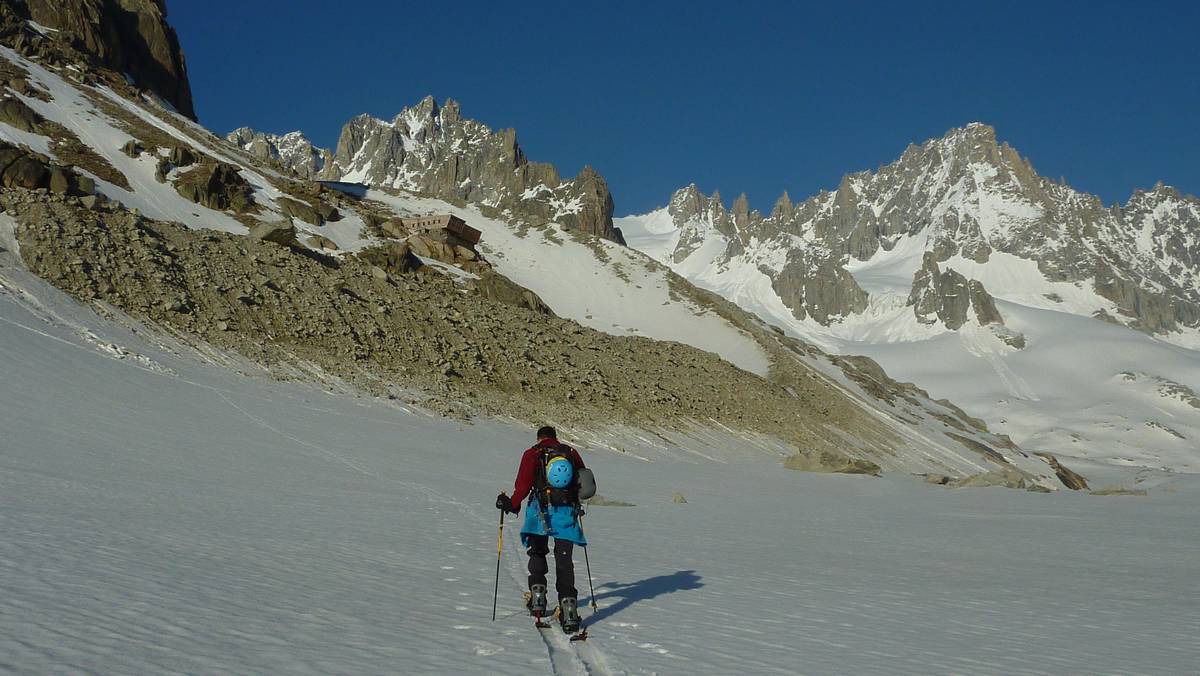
x=630, y=593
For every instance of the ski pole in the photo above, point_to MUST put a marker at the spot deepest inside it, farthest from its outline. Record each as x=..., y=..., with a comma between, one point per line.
x=589, y=567
x=499, y=549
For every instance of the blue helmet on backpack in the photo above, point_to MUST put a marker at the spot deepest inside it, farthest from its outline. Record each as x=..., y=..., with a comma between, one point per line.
x=560, y=472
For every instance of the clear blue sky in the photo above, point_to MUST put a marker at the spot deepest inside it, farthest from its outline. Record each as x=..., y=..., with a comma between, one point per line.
x=740, y=96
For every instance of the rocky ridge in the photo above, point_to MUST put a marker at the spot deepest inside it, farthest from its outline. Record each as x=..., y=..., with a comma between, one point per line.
x=291, y=151
x=970, y=197
x=432, y=149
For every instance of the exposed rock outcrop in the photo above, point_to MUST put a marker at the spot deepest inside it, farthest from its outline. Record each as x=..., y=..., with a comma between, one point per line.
x=829, y=462
x=216, y=185
x=128, y=36
x=1000, y=477
x=21, y=168
x=949, y=297
x=16, y=114
x=819, y=289
x=432, y=149
x=1069, y=478
x=307, y=212
x=292, y=151
x=503, y=290
x=283, y=234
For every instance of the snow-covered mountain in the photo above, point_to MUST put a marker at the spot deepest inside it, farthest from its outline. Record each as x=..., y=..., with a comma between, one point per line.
x=431, y=148
x=244, y=256
x=959, y=268
x=291, y=151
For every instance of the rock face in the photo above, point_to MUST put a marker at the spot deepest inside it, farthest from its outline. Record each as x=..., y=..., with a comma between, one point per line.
x=20, y=168
x=217, y=186
x=1069, y=478
x=433, y=149
x=949, y=297
x=964, y=198
x=290, y=151
x=128, y=36
x=15, y=113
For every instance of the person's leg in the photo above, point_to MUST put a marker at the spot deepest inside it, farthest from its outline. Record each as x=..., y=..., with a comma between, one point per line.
x=537, y=550
x=564, y=568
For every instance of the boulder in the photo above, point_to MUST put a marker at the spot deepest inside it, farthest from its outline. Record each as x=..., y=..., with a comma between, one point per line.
x=60, y=181
x=183, y=157
x=8, y=155
x=84, y=185
x=132, y=148
x=393, y=257
x=15, y=113
x=393, y=227
x=678, y=498
x=1001, y=477
x=283, y=234
x=829, y=462
x=297, y=209
x=422, y=246
x=319, y=242
x=26, y=172
x=217, y=186
x=327, y=211
x=495, y=286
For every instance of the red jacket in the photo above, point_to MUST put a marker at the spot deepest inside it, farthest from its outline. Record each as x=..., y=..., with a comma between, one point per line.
x=527, y=472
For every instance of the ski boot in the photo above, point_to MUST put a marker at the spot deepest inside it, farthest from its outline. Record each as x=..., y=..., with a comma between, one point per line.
x=568, y=615
x=535, y=600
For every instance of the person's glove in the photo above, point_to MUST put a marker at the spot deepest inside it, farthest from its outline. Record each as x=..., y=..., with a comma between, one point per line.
x=504, y=504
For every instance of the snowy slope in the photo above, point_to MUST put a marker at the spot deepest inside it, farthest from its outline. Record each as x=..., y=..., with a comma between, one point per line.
x=163, y=512
x=595, y=282
x=70, y=107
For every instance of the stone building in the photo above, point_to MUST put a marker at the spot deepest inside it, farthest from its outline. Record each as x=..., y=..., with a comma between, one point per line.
x=443, y=223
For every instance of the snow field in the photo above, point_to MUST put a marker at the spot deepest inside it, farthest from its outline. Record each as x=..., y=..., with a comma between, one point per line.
x=188, y=518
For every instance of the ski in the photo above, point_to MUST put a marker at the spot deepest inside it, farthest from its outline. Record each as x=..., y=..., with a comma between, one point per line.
x=581, y=636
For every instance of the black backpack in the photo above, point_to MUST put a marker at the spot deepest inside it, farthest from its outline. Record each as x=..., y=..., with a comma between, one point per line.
x=547, y=494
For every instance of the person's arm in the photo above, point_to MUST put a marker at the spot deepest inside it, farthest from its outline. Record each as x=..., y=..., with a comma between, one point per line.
x=525, y=475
